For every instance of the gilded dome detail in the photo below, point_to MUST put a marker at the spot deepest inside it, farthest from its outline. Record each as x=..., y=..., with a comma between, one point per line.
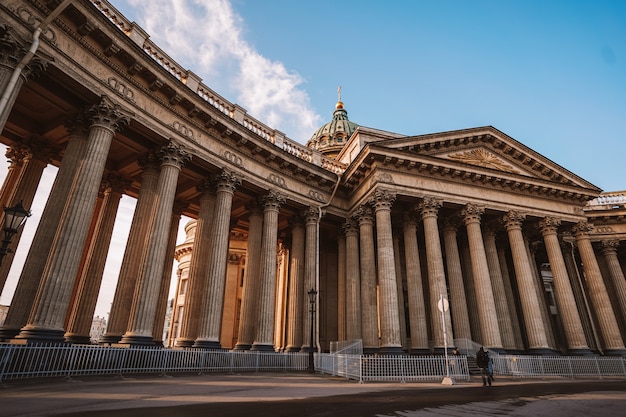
x=331, y=137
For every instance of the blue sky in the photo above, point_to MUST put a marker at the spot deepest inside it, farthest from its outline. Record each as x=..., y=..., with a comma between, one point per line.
x=551, y=74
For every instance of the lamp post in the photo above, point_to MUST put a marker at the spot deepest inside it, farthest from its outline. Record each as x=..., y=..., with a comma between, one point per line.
x=312, y=296
x=14, y=219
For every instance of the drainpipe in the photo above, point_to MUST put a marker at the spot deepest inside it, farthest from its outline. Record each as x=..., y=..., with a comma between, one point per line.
x=11, y=85
x=317, y=262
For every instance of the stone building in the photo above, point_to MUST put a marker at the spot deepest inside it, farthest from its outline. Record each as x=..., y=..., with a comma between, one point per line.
x=381, y=225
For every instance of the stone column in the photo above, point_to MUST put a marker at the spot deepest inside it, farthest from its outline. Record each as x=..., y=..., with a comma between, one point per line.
x=566, y=304
x=168, y=265
x=353, y=281
x=369, y=305
x=135, y=252
x=458, y=302
x=252, y=280
x=12, y=49
x=95, y=254
x=211, y=321
x=508, y=291
x=390, y=339
x=542, y=296
x=341, y=286
x=145, y=298
x=609, y=329
x=264, y=340
x=568, y=249
x=415, y=288
x=18, y=155
x=199, y=264
x=470, y=292
x=429, y=209
x=22, y=190
x=400, y=286
x=499, y=292
x=311, y=218
x=609, y=250
x=535, y=328
x=482, y=282
x=26, y=290
x=296, y=286
x=53, y=297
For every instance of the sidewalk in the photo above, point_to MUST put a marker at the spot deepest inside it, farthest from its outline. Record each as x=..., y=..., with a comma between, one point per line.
x=265, y=394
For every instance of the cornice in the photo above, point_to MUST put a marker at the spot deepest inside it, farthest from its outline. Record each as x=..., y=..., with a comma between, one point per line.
x=99, y=37
x=376, y=157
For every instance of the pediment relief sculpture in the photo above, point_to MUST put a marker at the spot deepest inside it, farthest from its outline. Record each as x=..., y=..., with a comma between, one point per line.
x=483, y=158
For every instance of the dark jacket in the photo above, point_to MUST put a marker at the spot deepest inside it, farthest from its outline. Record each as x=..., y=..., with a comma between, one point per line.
x=482, y=358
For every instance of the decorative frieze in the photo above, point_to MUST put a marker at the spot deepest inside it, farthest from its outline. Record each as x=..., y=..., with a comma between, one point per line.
x=121, y=88
x=184, y=130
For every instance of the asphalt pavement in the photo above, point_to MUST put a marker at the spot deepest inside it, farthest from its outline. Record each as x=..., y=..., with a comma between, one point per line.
x=307, y=395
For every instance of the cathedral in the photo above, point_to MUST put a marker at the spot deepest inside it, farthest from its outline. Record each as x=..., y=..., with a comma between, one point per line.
x=361, y=234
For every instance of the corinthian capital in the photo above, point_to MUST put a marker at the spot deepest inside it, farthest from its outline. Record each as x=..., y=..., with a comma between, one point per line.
x=513, y=220
x=273, y=200
x=582, y=228
x=227, y=181
x=311, y=214
x=108, y=114
x=350, y=227
x=173, y=154
x=609, y=247
x=429, y=207
x=363, y=214
x=549, y=225
x=382, y=199
x=472, y=213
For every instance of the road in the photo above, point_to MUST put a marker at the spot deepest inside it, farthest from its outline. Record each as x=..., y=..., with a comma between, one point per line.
x=305, y=395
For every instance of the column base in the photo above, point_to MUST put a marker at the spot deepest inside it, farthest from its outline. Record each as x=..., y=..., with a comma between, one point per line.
x=391, y=350
x=32, y=334
x=108, y=339
x=262, y=347
x=370, y=350
x=77, y=339
x=420, y=351
x=136, y=340
x=8, y=333
x=242, y=346
x=498, y=350
x=615, y=352
x=207, y=344
x=580, y=352
x=184, y=343
x=440, y=350
x=543, y=352
x=292, y=349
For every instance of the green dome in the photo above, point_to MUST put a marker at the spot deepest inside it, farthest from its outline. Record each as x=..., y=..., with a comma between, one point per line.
x=331, y=137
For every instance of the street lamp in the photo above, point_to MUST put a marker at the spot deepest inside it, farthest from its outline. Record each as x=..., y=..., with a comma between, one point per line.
x=312, y=296
x=14, y=218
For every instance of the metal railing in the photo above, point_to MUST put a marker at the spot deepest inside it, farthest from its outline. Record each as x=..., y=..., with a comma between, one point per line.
x=347, y=347
x=392, y=368
x=572, y=367
x=61, y=360
x=41, y=361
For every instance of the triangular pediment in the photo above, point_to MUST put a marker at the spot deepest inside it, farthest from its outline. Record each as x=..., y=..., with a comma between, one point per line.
x=482, y=149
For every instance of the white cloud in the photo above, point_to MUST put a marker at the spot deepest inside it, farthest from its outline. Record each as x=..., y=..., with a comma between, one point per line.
x=206, y=37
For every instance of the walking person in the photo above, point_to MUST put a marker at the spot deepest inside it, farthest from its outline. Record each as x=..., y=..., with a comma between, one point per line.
x=483, y=360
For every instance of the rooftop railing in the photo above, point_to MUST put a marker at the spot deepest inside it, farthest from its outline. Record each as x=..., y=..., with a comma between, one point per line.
x=194, y=83
x=616, y=199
